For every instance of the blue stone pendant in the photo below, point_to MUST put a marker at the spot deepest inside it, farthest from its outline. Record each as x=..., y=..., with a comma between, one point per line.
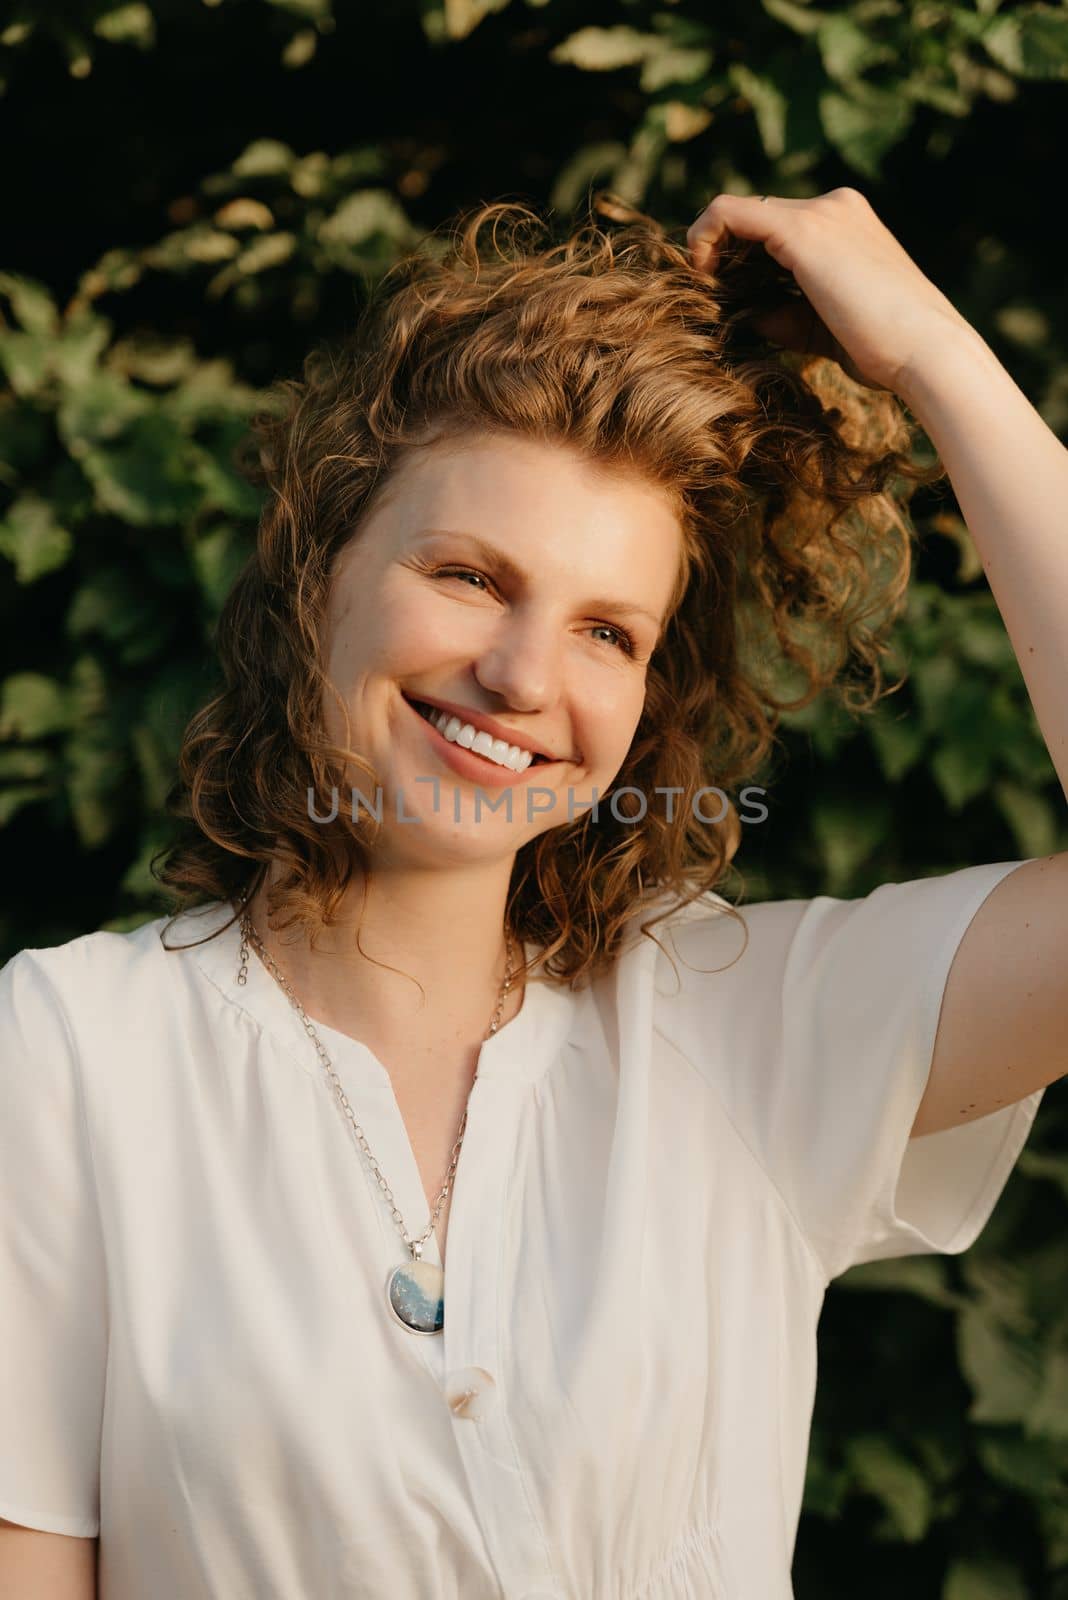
x=416, y=1295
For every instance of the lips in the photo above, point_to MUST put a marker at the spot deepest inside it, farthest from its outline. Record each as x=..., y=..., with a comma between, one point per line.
x=486, y=724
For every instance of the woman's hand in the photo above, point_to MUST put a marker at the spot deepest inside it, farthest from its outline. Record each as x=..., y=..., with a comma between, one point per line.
x=866, y=304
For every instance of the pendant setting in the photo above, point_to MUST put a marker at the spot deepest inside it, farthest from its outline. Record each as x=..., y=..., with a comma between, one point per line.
x=415, y=1292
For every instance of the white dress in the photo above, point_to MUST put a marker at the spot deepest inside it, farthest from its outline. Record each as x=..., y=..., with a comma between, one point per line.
x=658, y=1180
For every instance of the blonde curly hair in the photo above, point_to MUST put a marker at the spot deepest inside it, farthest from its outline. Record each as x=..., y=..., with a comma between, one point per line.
x=790, y=483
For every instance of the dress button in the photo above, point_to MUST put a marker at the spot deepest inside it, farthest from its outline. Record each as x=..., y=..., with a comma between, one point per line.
x=470, y=1392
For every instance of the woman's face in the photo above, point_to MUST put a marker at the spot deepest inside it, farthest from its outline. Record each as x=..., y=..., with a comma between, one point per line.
x=513, y=583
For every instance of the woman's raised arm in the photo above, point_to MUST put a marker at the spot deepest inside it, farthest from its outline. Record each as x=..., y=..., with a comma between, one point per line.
x=45, y=1566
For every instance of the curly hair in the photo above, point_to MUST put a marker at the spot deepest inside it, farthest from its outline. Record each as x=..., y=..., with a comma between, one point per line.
x=790, y=484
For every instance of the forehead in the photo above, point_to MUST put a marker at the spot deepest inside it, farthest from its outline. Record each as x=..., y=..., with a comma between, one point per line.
x=503, y=486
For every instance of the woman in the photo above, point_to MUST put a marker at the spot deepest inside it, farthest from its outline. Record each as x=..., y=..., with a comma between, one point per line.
x=553, y=508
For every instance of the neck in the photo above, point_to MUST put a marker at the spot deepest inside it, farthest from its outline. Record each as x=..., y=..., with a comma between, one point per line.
x=442, y=931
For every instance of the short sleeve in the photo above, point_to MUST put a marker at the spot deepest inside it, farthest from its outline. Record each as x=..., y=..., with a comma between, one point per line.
x=53, y=1310
x=820, y=1039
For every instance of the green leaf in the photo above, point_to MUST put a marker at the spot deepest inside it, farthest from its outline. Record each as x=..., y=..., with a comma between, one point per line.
x=159, y=362
x=961, y=771
x=950, y=699
x=674, y=64
x=358, y=166
x=679, y=119
x=26, y=358
x=463, y=16
x=846, y=836
x=259, y=255
x=115, y=271
x=128, y=24
x=801, y=18
x=16, y=33
x=883, y=1471
x=769, y=106
x=218, y=557
x=898, y=739
x=31, y=537
x=33, y=307
x=211, y=394
x=33, y=706
x=983, y=1579
x=643, y=159
x=312, y=10
x=1049, y=1414
x=200, y=244
x=983, y=640
x=82, y=341
x=268, y=251
x=605, y=49
x=300, y=49
x=221, y=486
x=264, y=158
x=929, y=90
x=1002, y=1289
x=97, y=772
x=1025, y=325
x=89, y=689
x=847, y=50
x=13, y=798
x=137, y=880
x=1031, y=42
x=1031, y=817
x=590, y=163
x=1003, y=1368
x=364, y=214
x=25, y=761
x=115, y=604
x=865, y=124
x=99, y=410
x=146, y=477
x=155, y=764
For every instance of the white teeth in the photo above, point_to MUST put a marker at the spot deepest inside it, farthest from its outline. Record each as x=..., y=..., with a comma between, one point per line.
x=512, y=756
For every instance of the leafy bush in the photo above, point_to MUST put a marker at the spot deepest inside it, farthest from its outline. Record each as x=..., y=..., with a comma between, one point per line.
x=278, y=156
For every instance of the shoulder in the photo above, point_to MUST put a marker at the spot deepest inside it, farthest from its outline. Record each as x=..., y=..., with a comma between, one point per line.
x=718, y=935
x=825, y=951
x=99, y=976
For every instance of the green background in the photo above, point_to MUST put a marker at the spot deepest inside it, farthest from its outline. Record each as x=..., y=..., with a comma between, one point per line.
x=196, y=192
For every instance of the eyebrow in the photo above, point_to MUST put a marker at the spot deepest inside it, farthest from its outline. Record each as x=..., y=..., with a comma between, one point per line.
x=495, y=557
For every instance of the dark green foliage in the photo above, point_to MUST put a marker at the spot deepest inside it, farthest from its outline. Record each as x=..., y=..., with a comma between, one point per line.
x=197, y=191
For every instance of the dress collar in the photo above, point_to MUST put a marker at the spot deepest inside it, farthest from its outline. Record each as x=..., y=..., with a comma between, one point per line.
x=521, y=1049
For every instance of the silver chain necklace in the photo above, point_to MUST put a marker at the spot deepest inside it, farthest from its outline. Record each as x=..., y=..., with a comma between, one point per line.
x=415, y=1290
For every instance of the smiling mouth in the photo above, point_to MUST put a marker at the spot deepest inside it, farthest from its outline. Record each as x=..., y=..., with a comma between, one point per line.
x=427, y=712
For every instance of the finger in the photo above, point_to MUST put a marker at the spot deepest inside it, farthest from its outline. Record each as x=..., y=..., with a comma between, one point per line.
x=743, y=215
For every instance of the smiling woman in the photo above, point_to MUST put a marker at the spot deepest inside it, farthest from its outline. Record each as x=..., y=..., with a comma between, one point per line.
x=534, y=382
x=548, y=543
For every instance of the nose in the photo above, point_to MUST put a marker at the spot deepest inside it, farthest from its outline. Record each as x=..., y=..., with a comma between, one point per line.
x=522, y=663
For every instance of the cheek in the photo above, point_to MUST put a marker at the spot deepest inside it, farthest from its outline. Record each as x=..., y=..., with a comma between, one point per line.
x=611, y=720
x=367, y=638
x=407, y=622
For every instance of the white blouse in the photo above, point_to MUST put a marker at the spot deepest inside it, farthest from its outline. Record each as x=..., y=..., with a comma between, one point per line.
x=658, y=1181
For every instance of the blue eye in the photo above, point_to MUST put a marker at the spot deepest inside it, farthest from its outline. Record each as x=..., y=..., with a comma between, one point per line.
x=623, y=639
